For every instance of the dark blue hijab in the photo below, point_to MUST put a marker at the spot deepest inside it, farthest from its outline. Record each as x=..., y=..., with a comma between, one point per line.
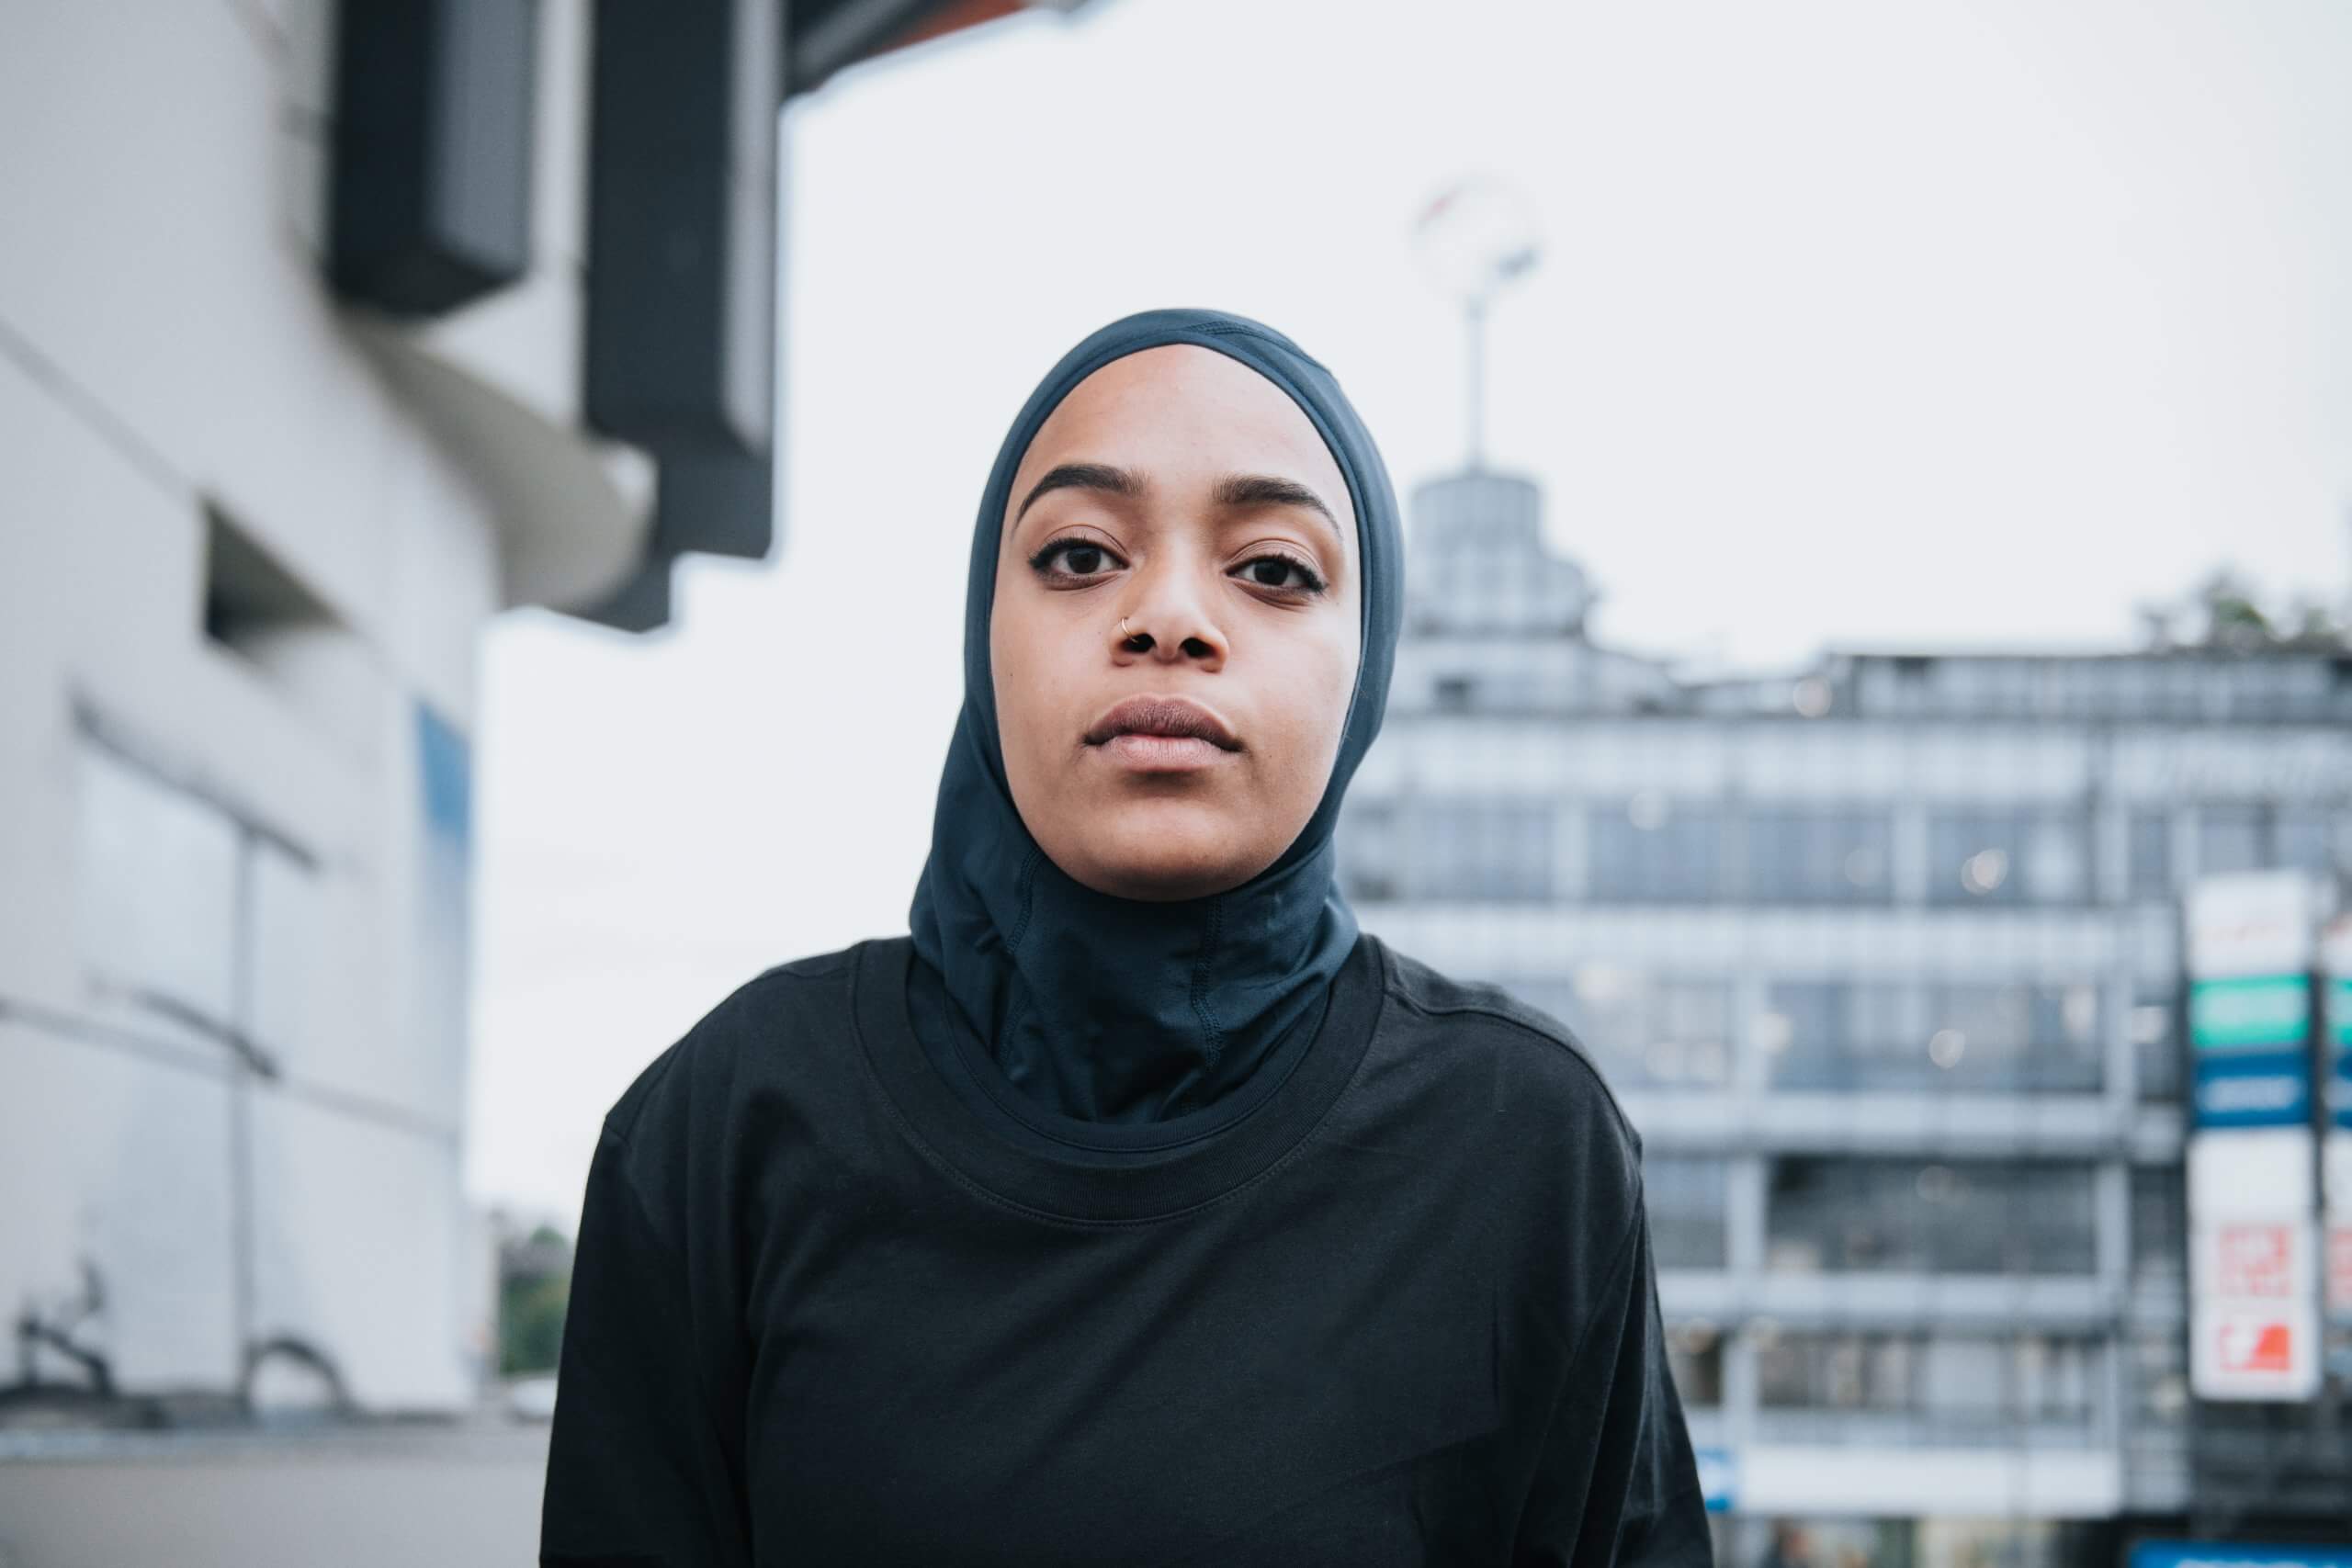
x=1118, y=1009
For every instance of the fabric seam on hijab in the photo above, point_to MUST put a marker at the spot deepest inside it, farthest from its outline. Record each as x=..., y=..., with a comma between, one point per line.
x=1209, y=940
x=1028, y=899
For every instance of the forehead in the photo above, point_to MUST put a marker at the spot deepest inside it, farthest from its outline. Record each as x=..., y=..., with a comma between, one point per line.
x=1186, y=416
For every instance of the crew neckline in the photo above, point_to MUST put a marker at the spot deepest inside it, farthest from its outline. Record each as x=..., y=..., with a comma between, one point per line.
x=1021, y=1154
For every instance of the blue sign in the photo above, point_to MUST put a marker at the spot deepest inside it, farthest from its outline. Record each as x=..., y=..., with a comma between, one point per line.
x=1716, y=1477
x=2253, y=1089
x=2229, y=1554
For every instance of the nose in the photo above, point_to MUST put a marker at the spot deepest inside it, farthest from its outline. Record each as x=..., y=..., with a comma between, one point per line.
x=1170, y=617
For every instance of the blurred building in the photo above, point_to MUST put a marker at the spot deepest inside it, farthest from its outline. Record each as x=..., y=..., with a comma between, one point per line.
x=329, y=329
x=1884, y=960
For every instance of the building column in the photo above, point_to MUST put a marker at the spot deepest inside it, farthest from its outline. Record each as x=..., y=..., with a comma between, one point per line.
x=2119, y=1059
x=1739, y=1394
x=2110, y=832
x=2111, y=1227
x=1743, y=1218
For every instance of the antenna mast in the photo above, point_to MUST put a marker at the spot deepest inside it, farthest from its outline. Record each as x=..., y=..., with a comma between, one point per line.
x=1475, y=237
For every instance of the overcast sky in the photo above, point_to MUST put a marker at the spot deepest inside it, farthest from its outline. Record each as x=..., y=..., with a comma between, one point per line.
x=1857, y=325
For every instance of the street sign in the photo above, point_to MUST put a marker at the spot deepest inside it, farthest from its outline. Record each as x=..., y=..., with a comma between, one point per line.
x=2255, y=1244
x=1718, y=1476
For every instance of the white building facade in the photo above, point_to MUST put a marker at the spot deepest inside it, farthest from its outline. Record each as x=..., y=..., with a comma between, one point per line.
x=243, y=570
x=1884, y=960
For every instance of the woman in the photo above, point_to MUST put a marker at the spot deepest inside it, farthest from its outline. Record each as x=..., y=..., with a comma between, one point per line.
x=1137, y=1208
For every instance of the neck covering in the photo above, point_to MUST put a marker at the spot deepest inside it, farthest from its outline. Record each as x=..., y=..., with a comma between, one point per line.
x=1118, y=1009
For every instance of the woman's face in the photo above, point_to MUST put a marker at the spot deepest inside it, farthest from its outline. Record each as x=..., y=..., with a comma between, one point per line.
x=1178, y=487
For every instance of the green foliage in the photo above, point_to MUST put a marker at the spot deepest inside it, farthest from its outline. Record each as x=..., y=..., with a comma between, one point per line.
x=2224, y=610
x=530, y=1323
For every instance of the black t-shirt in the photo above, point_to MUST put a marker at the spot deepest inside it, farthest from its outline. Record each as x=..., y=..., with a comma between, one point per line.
x=841, y=1297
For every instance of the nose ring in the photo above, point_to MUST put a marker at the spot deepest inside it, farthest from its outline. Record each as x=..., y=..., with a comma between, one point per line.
x=1124, y=635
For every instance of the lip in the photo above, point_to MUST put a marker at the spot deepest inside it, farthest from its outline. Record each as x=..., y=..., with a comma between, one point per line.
x=1162, y=754
x=1166, y=728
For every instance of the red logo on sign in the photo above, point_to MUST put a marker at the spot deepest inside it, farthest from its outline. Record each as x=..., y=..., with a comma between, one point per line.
x=2253, y=1260
x=2254, y=1347
x=2340, y=1267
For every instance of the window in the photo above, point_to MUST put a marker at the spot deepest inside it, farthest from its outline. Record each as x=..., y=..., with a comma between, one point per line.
x=1819, y=855
x=2229, y=838
x=253, y=603
x=180, y=899
x=1685, y=1198
x=2158, y=1227
x=1828, y=1214
x=1648, y=848
x=1498, y=851
x=1846, y=1371
x=2301, y=840
x=2251, y=837
x=2036, y=856
x=2158, y=1373
x=1368, y=849
x=1947, y=1380
x=2155, y=1048
x=1837, y=1034
x=1695, y=1354
x=2012, y=1036
x=158, y=888
x=2148, y=835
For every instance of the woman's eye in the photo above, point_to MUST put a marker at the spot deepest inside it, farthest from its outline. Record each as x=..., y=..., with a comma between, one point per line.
x=1084, y=557
x=1273, y=571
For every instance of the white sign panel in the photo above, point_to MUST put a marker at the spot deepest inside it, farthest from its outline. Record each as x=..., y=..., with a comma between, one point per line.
x=2255, y=922
x=2255, y=1241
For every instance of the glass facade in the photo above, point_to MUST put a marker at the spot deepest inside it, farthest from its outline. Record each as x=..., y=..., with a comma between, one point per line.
x=1904, y=1386
x=1834, y=1033
x=1835, y=1213
x=2009, y=856
x=2148, y=851
x=1649, y=849
x=1686, y=1199
x=1947, y=883
x=2229, y=838
x=1819, y=855
x=2155, y=1044
x=1494, y=849
x=2159, y=1236
x=1989, y=1035
x=190, y=917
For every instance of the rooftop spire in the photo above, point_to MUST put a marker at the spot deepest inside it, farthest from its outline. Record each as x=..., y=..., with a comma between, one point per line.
x=1476, y=236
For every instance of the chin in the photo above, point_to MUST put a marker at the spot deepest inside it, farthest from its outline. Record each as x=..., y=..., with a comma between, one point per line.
x=1168, y=855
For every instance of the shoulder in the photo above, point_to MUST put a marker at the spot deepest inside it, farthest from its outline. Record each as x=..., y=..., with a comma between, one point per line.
x=697, y=1072
x=1538, y=1072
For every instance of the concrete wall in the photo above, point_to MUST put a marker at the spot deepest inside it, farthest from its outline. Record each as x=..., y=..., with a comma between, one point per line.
x=235, y=863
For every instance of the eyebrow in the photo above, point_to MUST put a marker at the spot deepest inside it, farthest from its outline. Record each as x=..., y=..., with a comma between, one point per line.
x=1083, y=476
x=1232, y=491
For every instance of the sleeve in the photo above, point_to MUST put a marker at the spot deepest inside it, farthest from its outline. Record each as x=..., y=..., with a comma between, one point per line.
x=644, y=1466
x=1617, y=1484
